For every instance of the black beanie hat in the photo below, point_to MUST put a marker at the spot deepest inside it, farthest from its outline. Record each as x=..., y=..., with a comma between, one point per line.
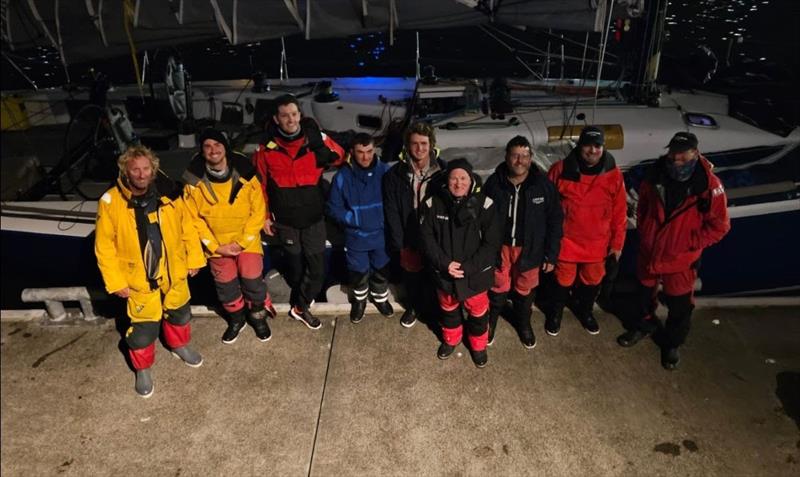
x=460, y=163
x=211, y=133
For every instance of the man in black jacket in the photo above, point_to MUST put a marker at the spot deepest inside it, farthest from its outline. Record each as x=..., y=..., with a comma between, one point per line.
x=531, y=216
x=405, y=186
x=460, y=239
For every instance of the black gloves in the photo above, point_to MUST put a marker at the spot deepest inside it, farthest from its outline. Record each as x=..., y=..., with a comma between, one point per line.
x=324, y=156
x=313, y=134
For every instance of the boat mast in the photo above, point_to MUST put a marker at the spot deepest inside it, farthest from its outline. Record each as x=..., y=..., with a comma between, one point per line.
x=417, y=58
x=604, y=42
x=657, y=20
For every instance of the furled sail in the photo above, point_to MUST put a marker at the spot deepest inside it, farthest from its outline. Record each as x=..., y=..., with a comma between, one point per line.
x=96, y=29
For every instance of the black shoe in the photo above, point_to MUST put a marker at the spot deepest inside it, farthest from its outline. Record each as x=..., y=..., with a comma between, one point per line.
x=408, y=319
x=670, y=359
x=491, y=334
x=262, y=330
x=480, y=358
x=384, y=308
x=257, y=319
x=357, y=310
x=552, y=325
x=630, y=338
x=235, y=324
x=527, y=337
x=445, y=350
x=305, y=317
x=590, y=324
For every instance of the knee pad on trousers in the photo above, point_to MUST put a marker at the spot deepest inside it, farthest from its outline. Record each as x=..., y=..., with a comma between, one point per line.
x=142, y=334
x=228, y=292
x=585, y=296
x=497, y=301
x=379, y=279
x=476, y=326
x=679, y=305
x=179, y=316
x=451, y=319
x=522, y=306
x=357, y=280
x=255, y=289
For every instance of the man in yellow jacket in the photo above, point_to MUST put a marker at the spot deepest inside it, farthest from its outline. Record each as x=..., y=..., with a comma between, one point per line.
x=224, y=196
x=146, y=247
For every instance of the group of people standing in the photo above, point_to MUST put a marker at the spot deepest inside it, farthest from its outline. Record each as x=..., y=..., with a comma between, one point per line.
x=458, y=243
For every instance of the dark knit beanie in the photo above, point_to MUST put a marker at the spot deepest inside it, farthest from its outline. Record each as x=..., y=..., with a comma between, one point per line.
x=211, y=133
x=459, y=163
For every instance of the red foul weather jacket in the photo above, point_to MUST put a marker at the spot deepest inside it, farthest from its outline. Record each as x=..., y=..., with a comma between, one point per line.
x=670, y=244
x=290, y=174
x=594, y=209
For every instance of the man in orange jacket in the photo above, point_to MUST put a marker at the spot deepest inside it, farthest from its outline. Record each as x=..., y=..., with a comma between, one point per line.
x=593, y=198
x=682, y=210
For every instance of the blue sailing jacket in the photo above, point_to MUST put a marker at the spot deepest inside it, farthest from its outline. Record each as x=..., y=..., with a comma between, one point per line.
x=357, y=203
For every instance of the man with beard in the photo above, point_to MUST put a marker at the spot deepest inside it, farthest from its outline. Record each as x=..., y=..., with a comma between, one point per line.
x=528, y=206
x=682, y=210
x=595, y=213
x=146, y=247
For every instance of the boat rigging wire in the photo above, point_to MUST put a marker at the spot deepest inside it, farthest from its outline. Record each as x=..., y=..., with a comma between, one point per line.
x=19, y=70
x=609, y=11
x=535, y=74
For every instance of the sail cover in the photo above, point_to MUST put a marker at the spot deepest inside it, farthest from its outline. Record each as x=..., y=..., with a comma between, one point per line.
x=95, y=29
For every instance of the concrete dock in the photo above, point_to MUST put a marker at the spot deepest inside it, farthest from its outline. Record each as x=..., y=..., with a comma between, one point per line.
x=372, y=399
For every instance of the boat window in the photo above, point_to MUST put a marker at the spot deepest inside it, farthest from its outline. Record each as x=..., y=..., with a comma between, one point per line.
x=367, y=121
x=700, y=120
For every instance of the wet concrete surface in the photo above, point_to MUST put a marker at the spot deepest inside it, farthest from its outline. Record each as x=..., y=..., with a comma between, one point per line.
x=373, y=399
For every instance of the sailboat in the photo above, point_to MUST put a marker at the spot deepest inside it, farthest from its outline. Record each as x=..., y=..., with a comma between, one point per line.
x=760, y=166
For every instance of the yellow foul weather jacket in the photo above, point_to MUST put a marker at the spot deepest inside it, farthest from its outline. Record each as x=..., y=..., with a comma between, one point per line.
x=117, y=248
x=226, y=211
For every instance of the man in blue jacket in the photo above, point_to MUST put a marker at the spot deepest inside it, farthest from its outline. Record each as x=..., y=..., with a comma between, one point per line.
x=529, y=205
x=356, y=202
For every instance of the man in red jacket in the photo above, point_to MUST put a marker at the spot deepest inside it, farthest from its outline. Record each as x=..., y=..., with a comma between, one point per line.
x=682, y=210
x=593, y=198
x=290, y=166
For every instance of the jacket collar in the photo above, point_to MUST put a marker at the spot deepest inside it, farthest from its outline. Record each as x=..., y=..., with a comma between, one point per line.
x=163, y=187
x=502, y=174
x=698, y=183
x=571, y=170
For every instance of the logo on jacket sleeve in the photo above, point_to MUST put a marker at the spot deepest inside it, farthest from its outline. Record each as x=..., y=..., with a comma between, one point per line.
x=538, y=200
x=717, y=191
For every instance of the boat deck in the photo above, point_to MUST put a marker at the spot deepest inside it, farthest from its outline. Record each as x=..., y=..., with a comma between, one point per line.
x=372, y=399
